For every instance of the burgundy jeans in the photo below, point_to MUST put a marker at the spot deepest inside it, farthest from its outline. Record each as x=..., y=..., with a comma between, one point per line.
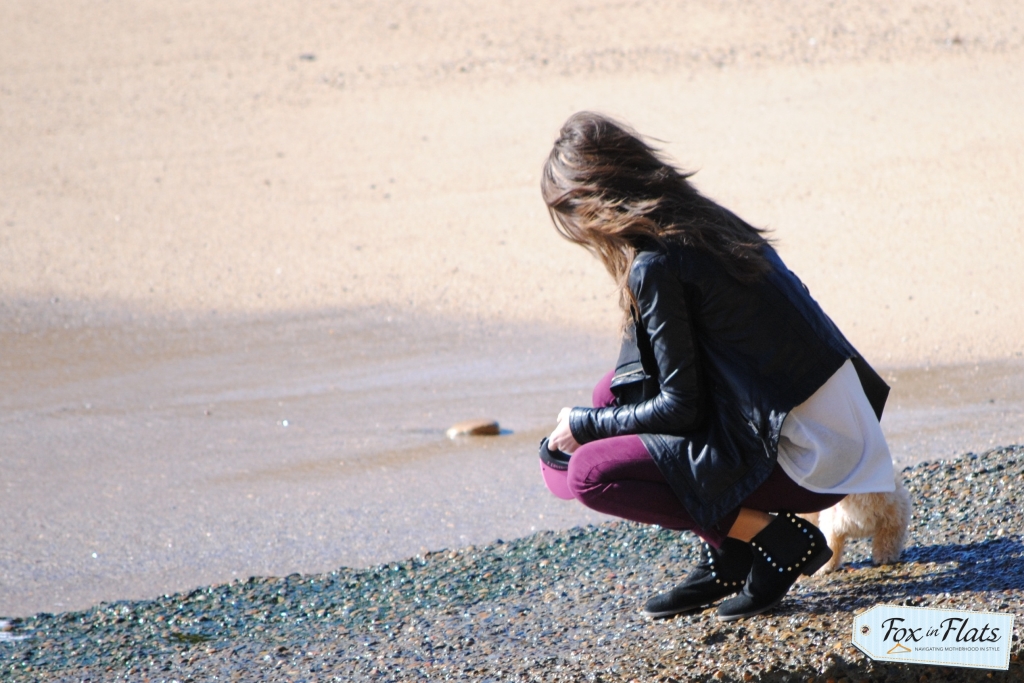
x=617, y=476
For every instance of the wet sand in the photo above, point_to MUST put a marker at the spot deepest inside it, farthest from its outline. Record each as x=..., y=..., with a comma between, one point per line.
x=216, y=220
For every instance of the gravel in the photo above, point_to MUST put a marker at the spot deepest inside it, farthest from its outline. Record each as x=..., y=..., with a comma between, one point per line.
x=553, y=606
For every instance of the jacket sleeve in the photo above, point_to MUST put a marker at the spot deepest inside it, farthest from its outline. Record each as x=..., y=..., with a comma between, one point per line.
x=677, y=407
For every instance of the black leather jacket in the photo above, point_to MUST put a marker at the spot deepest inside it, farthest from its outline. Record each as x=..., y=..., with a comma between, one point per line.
x=710, y=369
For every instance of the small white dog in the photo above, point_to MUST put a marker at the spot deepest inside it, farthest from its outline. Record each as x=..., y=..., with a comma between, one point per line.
x=882, y=517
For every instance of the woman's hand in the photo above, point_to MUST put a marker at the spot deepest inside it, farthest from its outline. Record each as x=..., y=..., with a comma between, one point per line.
x=562, y=439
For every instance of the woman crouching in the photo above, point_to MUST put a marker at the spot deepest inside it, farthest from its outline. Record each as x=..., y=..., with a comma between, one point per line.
x=735, y=402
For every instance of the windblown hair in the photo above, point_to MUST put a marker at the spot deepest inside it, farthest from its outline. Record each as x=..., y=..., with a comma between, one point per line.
x=612, y=193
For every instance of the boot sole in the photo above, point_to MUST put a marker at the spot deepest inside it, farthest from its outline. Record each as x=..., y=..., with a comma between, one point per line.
x=674, y=612
x=752, y=613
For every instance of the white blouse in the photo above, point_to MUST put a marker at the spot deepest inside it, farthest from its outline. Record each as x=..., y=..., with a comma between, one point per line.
x=832, y=442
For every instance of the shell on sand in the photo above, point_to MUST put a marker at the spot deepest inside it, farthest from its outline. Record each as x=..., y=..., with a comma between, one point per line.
x=474, y=428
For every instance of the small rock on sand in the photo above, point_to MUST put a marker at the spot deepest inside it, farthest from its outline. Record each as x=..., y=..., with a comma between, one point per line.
x=474, y=428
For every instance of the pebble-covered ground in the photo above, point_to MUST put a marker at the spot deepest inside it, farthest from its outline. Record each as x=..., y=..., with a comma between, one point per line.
x=553, y=607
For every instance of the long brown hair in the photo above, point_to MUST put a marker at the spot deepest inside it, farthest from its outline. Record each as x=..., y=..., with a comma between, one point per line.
x=612, y=193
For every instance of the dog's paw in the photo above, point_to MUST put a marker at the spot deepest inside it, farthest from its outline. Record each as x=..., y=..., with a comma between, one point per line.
x=886, y=549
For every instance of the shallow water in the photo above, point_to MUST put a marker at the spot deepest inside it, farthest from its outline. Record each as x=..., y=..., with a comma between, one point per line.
x=149, y=459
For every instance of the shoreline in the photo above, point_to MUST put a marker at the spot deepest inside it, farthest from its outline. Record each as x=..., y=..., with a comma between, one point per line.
x=155, y=460
x=555, y=606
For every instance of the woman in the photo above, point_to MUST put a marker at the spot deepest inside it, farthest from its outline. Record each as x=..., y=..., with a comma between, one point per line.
x=736, y=402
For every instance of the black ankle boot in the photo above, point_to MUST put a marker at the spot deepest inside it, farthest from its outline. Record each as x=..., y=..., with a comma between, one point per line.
x=720, y=572
x=783, y=550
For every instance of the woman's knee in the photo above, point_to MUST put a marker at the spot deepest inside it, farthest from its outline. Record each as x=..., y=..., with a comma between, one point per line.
x=596, y=465
x=578, y=477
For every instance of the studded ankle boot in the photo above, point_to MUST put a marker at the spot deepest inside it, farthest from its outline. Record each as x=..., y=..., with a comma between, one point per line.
x=783, y=550
x=720, y=572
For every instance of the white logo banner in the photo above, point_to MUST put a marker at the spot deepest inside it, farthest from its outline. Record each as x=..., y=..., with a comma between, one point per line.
x=922, y=635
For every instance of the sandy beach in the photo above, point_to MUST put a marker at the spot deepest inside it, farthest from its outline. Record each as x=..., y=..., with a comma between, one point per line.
x=255, y=258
